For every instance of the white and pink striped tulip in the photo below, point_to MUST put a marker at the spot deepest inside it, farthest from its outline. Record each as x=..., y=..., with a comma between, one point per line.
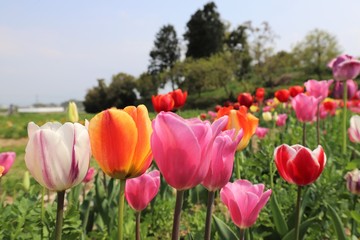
x=354, y=130
x=57, y=155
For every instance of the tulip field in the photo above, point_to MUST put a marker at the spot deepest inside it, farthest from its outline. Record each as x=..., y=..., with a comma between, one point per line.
x=273, y=165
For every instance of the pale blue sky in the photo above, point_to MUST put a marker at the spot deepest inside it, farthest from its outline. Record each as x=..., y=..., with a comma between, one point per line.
x=52, y=51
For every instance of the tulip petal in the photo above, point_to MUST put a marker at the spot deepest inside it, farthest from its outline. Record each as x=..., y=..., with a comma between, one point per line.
x=143, y=155
x=282, y=155
x=112, y=141
x=170, y=143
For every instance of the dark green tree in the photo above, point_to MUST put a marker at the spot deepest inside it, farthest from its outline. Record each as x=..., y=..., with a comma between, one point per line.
x=237, y=43
x=205, y=32
x=121, y=91
x=96, y=98
x=166, y=50
x=147, y=85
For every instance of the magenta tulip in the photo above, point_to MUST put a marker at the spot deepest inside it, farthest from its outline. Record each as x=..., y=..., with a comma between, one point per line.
x=261, y=132
x=354, y=130
x=222, y=160
x=281, y=119
x=318, y=89
x=305, y=107
x=182, y=148
x=141, y=190
x=338, y=90
x=89, y=175
x=7, y=160
x=244, y=201
x=345, y=67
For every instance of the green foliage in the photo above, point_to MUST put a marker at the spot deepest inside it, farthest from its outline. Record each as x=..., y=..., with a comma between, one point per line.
x=205, y=32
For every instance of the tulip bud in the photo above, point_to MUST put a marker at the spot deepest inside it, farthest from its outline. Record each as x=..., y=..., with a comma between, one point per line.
x=353, y=181
x=267, y=116
x=26, y=181
x=73, y=112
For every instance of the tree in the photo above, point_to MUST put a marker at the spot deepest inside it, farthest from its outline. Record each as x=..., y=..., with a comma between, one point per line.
x=147, y=85
x=121, y=91
x=237, y=43
x=315, y=51
x=205, y=33
x=166, y=50
x=96, y=98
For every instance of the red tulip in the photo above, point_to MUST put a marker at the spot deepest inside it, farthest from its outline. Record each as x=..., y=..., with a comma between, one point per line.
x=244, y=201
x=295, y=90
x=282, y=95
x=260, y=94
x=245, y=99
x=141, y=190
x=179, y=98
x=345, y=67
x=163, y=102
x=299, y=165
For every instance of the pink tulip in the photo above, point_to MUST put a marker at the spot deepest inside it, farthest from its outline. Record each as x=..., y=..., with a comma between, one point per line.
x=354, y=130
x=261, y=132
x=222, y=160
x=353, y=181
x=141, y=190
x=345, y=67
x=89, y=175
x=281, y=119
x=305, y=107
x=351, y=89
x=318, y=89
x=182, y=148
x=323, y=112
x=6, y=160
x=244, y=201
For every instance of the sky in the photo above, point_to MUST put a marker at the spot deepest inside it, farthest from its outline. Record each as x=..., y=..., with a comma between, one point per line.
x=54, y=51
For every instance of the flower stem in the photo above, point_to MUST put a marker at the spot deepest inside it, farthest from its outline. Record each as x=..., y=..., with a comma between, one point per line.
x=353, y=223
x=304, y=135
x=42, y=212
x=344, y=117
x=211, y=196
x=318, y=124
x=298, y=217
x=59, y=214
x=137, y=232
x=121, y=209
x=242, y=234
x=238, y=159
x=177, y=214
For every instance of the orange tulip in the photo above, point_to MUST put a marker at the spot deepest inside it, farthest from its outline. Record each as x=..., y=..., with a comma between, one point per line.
x=1, y=170
x=243, y=122
x=120, y=141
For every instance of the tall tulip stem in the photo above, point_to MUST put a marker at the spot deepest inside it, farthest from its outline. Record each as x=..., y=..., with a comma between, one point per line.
x=137, y=232
x=344, y=118
x=211, y=196
x=304, y=135
x=353, y=223
x=318, y=124
x=121, y=209
x=177, y=214
x=298, y=217
x=42, y=212
x=238, y=159
x=59, y=214
x=242, y=234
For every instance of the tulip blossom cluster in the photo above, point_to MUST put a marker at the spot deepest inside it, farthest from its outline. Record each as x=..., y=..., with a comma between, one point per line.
x=169, y=101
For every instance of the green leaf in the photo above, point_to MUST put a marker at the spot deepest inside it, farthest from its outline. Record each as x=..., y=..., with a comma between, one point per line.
x=224, y=230
x=355, y=215
x=279, y=220
x=339, y=229
x=303, y=228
